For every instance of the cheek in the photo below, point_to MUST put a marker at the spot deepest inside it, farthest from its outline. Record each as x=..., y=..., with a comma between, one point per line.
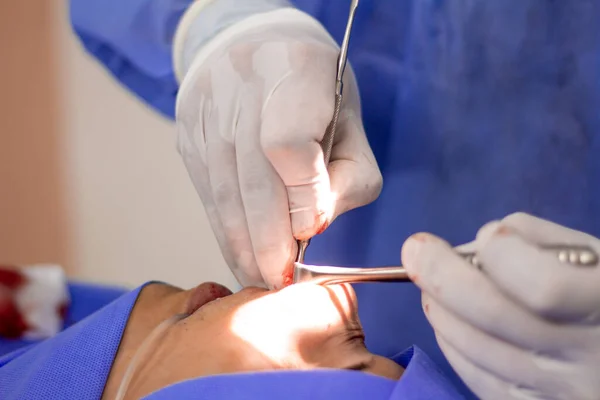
x=385, y=367
x=200, y=347
x=205, y=334
x=222, y=342
x=324, y=350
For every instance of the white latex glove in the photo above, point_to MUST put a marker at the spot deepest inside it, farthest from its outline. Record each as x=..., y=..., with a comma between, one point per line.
x=527, y=326
x=253, y=106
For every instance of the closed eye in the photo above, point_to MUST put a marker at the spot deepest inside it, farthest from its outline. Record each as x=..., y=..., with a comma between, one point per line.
x=358, y=366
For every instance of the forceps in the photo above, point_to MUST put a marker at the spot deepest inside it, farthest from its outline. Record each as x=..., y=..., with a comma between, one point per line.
x=579, y=256
x=327, y=142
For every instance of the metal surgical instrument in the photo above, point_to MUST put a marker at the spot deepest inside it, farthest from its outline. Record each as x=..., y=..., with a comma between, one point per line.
x=327, y=142
x=579, y=256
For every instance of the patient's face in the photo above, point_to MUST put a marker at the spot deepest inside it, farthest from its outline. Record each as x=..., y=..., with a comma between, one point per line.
x=300, y=327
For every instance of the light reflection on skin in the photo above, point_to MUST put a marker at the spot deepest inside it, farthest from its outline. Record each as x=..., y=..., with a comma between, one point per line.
x=301, y=327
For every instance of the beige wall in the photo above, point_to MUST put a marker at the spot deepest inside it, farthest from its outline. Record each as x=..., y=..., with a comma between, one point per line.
x=33, y=227
x=117, y=203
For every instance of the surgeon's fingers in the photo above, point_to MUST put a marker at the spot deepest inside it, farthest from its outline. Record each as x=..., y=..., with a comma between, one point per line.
x=295, y=118
x=502, y=359
x=290, y=141
x=265, y=202
x=190, y=138
x=353, y=171
x=535, y=277
x=197, y=121
x=225, y=188
x=482, y=383
x=464, y=290
x=541, y=231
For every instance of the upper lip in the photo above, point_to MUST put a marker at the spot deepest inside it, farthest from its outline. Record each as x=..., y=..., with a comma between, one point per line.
x=205, y=293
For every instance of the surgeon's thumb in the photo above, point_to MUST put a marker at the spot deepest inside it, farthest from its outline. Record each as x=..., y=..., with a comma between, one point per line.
x=290, y=138
x=355, y=179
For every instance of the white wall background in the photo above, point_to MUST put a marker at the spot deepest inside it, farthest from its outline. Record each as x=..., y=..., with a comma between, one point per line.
x=132, y=213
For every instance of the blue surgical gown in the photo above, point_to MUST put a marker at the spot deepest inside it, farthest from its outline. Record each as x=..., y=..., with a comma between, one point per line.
x=76, y=364
x=475, y=109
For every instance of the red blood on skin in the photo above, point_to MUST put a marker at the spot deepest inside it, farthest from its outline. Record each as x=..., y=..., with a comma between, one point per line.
x=288, y=276
x=414, y=278
x=420, y=237
x=320, y=223
x=11, y=277
x=205, y=293
x=323, y=227
x=12, y=323
x=503, y=231
x=62, y=310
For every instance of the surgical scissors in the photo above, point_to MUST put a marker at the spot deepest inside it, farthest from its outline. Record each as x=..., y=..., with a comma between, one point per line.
x=579, y=256
x=327, y=142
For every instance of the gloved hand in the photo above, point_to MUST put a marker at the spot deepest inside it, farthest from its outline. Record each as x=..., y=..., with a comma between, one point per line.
x=524, y=327
x=253, y=106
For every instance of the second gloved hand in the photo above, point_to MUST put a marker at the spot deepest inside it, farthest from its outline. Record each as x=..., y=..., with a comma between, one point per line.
x=525, y=327
x=252, y=109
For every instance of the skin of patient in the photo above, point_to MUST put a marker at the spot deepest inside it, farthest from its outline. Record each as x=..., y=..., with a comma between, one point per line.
x=301, y=327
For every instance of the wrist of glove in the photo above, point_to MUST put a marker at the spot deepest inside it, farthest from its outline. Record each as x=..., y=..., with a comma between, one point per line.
x=525, y=326
x=205, y=19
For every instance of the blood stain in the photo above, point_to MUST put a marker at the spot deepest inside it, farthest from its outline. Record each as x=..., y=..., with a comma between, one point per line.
x=11, y=277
